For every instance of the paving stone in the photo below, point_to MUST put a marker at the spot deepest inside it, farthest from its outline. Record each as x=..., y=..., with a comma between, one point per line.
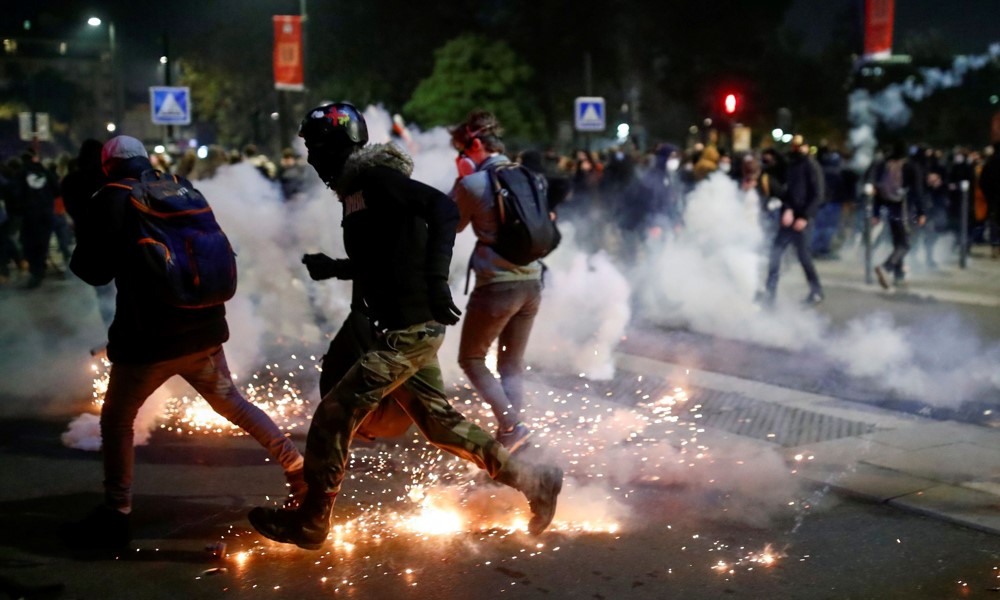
x=953, y=463
x=957, y=504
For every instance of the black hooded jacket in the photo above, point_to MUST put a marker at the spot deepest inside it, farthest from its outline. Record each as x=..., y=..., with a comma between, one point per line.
x=145, y=328
x=79, y=186
x=398, y=234
x=803, y=189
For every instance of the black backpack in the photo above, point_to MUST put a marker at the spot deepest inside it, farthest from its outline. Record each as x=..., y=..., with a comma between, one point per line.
x=525, y=230
x=890, y=181
x=183, y=255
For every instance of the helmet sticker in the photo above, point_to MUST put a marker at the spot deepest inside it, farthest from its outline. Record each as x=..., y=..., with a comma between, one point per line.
x=340, y=118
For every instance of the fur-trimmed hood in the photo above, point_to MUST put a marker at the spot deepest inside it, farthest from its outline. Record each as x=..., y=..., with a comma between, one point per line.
x=374, y=155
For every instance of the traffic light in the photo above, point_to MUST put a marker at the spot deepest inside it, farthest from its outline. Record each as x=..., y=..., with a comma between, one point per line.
x=729, y=104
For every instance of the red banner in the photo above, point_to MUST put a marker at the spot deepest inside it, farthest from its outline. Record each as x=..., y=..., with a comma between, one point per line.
x=878, y=28
x=288, y=53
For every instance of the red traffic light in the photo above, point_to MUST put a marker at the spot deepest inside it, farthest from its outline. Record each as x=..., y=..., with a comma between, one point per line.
x=729, y=103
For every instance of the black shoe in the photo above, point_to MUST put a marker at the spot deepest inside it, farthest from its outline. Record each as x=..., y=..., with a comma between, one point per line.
x=104, y=529
x=306, y=526
x=764, y=299
x=813, y=298
x=542, y=496
x=883, y=280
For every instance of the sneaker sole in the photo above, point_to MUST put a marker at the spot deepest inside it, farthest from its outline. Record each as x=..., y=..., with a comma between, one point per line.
x=555, y=491
x=882, y=279
x=520, y=443
x=255, y=519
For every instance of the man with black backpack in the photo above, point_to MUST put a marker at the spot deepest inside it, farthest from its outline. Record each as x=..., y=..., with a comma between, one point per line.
x=899, y=191
x=166, y=323
x=398, y=236
x=508, y=208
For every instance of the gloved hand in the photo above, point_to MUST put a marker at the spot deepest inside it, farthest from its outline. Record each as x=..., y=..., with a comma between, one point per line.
x=321, y=266
x=443, y=309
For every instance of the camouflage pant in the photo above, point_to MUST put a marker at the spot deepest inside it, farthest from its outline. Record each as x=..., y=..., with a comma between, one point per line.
x=403, y=363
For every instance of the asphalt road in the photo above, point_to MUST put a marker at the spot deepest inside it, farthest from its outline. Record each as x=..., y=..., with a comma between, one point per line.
x=709, y=530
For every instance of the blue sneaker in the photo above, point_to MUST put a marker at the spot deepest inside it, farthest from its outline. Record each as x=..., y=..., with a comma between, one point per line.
x=514, y=438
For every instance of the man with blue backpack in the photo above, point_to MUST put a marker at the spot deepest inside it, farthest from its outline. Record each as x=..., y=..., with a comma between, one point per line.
x=156, y=237
x=509, y=210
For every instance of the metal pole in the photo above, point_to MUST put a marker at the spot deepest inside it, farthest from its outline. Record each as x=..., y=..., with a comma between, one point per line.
x=116, y=88
x=304, y=20
x=869, y=194
x=963, y=234
x=167, y=79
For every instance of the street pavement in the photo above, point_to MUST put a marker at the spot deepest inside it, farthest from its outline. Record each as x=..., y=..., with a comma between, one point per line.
x=849, y=497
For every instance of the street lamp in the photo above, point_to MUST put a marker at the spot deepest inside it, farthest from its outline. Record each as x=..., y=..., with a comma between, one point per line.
x=115, y=88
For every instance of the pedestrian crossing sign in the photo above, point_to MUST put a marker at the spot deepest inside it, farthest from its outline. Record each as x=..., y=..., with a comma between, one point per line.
x=589, y=113
x=170, y=105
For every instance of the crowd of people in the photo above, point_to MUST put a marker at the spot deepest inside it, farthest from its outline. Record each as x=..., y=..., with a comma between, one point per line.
x=618, y=197
x=621, y=196
x=382, y=367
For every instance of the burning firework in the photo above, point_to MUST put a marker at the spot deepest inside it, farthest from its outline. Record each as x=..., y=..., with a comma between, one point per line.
x=609, y=436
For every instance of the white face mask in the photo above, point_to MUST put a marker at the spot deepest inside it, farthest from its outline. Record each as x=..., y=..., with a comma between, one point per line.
x=673, y=163
x=725, y=167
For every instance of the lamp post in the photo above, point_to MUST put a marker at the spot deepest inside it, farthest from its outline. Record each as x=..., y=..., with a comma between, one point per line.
x=116, y=99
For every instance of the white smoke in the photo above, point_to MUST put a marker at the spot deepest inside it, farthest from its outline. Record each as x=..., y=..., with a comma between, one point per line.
x=277, y=305
x=704, y=279
x=706, y=276
x=889, y=106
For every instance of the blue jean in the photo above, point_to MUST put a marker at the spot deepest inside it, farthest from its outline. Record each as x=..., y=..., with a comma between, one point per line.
x=827, y=224
x=208, y=373
x=505, y=312
x=784, y=237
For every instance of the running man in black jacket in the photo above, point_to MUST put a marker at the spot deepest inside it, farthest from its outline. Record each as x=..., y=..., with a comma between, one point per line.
x=398, y=234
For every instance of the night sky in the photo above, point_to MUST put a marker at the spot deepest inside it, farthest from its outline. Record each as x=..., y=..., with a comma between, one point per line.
x=969, y=26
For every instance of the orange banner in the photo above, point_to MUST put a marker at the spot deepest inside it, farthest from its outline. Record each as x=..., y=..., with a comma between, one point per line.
x=879, y=15
x=288, y=53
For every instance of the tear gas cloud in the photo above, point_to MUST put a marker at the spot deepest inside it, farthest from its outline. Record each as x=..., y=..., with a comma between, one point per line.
x=704, y=279
x=889, y=106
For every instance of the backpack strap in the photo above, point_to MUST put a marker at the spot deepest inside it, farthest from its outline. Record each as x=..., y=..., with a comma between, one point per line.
x=497, y=193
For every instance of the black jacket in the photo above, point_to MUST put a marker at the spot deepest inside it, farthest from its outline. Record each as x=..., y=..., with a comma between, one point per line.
x=914, y=202
x=398, y=234
x=38, y=189
x=145, y=328
x=79, y=186
x=803, y=190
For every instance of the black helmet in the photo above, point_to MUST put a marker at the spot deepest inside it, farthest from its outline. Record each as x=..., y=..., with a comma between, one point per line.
x=334, y=127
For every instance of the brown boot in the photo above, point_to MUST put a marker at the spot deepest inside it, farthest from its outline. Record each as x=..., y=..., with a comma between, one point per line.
x=540, y=484
x=306, y=526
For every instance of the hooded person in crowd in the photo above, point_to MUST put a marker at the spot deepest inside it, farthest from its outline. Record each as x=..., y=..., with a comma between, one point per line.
x=150, y=341
x=37, y=188
x=77, y=188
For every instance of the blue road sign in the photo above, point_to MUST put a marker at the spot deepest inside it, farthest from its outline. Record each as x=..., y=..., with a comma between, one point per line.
x=170, y=105
x=589, y=113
